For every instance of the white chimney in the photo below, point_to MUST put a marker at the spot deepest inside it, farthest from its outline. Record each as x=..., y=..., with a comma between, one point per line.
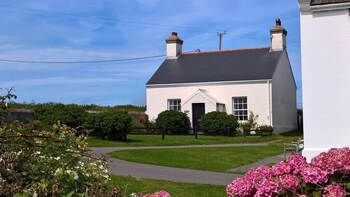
x=173, y=46
x=278, y=37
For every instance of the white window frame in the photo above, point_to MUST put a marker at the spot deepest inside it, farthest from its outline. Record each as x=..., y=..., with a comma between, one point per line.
x=174, y=104
x=240, y=108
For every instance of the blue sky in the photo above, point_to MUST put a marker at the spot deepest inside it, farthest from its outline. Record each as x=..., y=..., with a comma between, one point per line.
x=89, y=30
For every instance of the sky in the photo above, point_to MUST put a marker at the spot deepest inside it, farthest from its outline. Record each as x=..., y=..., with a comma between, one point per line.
x=46, y=47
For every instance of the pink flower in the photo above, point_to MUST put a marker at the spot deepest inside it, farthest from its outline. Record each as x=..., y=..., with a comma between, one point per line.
x=292, y=174
x=314, y=175
x=240, y=187
x=268, y=188
x=256, y=176
x=289, y=181
x=333, y=190
x=333, y=161
x=297, y=162
x=281, y=168
x=158, y=194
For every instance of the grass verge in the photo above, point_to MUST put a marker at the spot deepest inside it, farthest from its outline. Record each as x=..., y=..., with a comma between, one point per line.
x=175, y=140
x=144, y=186
x=219, y=159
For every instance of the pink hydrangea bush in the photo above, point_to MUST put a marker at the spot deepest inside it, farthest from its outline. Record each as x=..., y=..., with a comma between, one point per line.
x=327, y=174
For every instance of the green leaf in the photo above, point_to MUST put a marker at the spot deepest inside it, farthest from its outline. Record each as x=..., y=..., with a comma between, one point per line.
x=348, y=186
x=70, y=194
x=317, y=193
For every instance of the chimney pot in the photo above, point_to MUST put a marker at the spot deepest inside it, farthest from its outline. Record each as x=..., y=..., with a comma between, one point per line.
x=173, y=46
x=278, y=36
x=278, y=22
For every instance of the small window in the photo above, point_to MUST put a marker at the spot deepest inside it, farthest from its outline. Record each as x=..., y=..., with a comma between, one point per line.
x=174, y=104
x=240, y=108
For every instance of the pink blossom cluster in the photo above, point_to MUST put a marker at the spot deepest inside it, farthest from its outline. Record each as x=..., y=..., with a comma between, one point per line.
x=158, y=194
x=336, y=160
x=291, y=175
x=333, y=190
x=314, y=175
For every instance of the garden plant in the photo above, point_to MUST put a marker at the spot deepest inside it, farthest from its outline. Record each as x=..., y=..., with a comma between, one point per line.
x=174, y=121
x=219, y=123
x=327, y=175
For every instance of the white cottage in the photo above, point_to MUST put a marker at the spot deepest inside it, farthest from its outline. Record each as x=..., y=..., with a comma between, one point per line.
x=325, y=52
x=235, y=81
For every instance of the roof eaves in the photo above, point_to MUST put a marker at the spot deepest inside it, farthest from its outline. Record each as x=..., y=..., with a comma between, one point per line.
x=324, y=2
x=223, y=51
x=212, y=82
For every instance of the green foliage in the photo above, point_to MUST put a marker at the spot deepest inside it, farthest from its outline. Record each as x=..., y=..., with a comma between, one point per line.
x=91, y=107
x=173, y=121
x=250, y=124
x=72, y=115
x=219, y=123
x=110, y=124
x=41, y=163
x=265, y=128
x=38, y=125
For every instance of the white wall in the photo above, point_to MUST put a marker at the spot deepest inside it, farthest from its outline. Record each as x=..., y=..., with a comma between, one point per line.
x=209, y=104
x=325, y=49
x=284, y=97
x=257, y=94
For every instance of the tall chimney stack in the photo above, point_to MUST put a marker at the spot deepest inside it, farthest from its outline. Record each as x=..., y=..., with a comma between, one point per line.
x=173, y=46
x=278, y=37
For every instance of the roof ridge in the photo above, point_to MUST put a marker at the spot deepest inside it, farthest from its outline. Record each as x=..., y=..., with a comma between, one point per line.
x=222, y=51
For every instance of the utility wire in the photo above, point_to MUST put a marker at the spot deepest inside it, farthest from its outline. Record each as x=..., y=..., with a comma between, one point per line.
x=87, y=62
x=79, y=62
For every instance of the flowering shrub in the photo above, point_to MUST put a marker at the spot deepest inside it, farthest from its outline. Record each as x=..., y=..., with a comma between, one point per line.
x=41, y=163
x=327, y=175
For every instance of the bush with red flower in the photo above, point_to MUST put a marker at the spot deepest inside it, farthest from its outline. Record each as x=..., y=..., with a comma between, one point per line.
x=327, y=175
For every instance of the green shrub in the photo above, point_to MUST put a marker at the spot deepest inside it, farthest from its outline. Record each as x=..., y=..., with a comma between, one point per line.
x=249, y=124
x=71, y=115
x=173, y=121
x=219, y=123
x=265, y=128
x=110, y=124
x=33, y=125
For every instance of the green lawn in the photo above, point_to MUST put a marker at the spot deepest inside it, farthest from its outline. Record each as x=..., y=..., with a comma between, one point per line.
x=218, y=159
x=174, y=140
x=133, y=185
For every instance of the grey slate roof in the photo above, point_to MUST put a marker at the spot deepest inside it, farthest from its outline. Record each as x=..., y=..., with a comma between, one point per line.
x=230, y=65
x=321, y=2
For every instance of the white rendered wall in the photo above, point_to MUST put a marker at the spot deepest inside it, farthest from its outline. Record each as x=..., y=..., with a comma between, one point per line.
x=173, y=50
x=284, y=104
x=209, y=104
x=278, y=41
x=257, y=93
x=325, y=49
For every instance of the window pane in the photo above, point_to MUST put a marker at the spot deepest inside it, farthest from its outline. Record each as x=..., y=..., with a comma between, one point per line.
x=174, y=104
x=240, y=108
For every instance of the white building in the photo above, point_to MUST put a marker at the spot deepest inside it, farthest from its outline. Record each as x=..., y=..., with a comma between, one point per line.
x=235, y=81
x=325, y=52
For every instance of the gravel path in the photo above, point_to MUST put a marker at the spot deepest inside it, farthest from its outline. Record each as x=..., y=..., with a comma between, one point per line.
x=137, y=170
